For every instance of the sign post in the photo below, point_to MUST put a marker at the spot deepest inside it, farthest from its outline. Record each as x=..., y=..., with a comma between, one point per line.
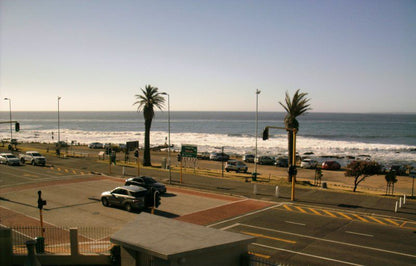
x=413, y=175
x=189, y=151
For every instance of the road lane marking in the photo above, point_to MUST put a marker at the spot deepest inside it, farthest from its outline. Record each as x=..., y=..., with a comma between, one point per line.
x=360, y=234
x=329, y=213
x=391, y=221
x=74, y=172
x=287, y=207
x=331, y=241
x=244, y=215
x=306, y=254
x=259, y=255
x=230, y=226
x=268, y=237
x=344, y=215
x=375, y=219
x=405, y=222
x=361, y=218
x=300, y=209
x=289, y=222
x=315, y=211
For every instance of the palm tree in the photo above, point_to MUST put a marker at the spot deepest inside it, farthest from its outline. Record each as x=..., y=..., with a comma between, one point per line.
x=147, y=101
x=294, y=107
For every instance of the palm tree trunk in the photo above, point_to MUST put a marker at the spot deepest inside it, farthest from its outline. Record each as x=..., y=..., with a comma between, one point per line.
x=146, y=157
x=290, y=153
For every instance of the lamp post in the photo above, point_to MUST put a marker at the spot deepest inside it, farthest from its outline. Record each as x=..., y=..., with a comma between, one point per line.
x=10, y=111
x=170, y=171
x=257, y=122
x=59, y=131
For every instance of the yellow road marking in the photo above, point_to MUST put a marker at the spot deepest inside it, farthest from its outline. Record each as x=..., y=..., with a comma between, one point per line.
x=315, y=211
x=375, y=219
x=361, y=218
x=269, y=237
x=405, y=222
x=391, y=221
x=259, y=255
x=329, y=213
x=66, y=170
x=346, y=216
x=74, y=172
x=59, y=169
x=82, y=173
x=287, y=207
x=300, y=209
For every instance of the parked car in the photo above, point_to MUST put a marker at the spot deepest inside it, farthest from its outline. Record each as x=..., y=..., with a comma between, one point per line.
x=331, y=165
x=203, y=155
x=308, y=163
x=96, y=145
x=9, y=159
x=282, y=162
x=146, y=182
x=128, y=197
x=398, y=169
x=218, y=156
x=248, y=158
x=265, y=160
x=234, y=165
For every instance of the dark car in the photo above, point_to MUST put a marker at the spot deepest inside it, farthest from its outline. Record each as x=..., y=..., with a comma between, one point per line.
x=218, y=156
x=248, y=158
x=146, y=182
x=331, y=165
x=266, y=160
x=128, y=197
x=282, y=162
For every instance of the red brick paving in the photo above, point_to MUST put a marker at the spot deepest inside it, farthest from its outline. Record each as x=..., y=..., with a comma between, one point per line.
x=224, y=212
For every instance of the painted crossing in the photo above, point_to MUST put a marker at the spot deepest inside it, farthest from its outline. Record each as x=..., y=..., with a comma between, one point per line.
x=353, y=216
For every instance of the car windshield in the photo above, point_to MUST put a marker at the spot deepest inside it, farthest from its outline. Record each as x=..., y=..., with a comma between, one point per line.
x=36, y=154
x=10, y=156
x=148, y=180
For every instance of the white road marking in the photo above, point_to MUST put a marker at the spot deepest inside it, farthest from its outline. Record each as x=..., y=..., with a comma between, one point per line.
x=360, y=234
x=331, y=241
x=230, y=226
x=244, y=215
x=289, y=222
x=306, y=254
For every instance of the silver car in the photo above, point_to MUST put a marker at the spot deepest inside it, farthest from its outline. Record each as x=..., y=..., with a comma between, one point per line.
x=128, y=197
x=9, y=159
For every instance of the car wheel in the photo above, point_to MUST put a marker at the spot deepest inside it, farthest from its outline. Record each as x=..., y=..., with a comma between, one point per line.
x=105, y=202
x=237, y=171
x=33, y=162
x=128, y=207
x=22, y=160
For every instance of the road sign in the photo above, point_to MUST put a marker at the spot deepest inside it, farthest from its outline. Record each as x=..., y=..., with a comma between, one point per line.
x=189, y=151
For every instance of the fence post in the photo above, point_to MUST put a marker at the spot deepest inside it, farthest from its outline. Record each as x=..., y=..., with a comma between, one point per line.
x=404, y=199
x=395, y=208
x=255, y=189
x=73, y=237
x=6, y=246
x=400, y=202
x=276, y=193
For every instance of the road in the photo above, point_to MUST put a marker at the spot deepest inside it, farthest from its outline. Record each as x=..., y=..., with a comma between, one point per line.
x=291, y=233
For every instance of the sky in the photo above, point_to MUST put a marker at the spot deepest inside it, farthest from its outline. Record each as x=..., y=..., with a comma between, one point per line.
x=349, y=56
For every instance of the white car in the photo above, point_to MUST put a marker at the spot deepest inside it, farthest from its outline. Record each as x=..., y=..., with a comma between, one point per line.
x=9, y=159
x=308, y=163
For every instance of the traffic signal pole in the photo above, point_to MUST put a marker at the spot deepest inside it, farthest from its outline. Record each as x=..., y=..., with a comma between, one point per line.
x=292, y=167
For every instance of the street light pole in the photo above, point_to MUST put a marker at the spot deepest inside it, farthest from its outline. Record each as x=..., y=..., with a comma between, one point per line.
x=59, y=131
x=170, y=170
x=10, y=111
x=257, y=121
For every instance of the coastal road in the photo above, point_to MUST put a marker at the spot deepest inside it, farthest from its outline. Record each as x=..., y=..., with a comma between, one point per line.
x=284, y=232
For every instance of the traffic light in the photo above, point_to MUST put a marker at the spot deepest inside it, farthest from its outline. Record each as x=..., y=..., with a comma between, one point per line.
x=41, y=202
x=156, y=199
x=17, y=126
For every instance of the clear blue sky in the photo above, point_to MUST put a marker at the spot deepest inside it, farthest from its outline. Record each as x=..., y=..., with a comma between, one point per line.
x=349, y=56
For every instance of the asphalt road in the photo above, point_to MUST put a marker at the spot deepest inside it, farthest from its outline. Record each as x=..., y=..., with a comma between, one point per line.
x=320, y=228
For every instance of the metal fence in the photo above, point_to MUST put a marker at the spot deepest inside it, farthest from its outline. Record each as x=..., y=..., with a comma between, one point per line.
x=56, y=240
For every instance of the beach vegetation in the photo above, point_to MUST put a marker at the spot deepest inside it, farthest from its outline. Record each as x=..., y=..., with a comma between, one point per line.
x=360, y=170
x=149, y=99
x=294, y=107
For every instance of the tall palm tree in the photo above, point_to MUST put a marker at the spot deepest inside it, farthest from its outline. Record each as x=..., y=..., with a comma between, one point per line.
x=294, y=107
x=147, y=101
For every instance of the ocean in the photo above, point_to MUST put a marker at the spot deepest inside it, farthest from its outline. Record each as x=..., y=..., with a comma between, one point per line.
x=387, y=138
